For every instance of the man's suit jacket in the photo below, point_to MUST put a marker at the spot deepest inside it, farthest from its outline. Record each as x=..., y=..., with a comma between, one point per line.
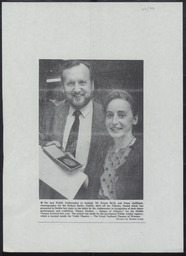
x=56, y=125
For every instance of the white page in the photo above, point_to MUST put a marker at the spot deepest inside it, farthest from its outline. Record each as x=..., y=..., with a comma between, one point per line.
x=128, y=31
x=65, y=182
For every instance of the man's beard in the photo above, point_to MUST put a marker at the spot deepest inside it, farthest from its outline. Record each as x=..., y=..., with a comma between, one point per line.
x=79, y=105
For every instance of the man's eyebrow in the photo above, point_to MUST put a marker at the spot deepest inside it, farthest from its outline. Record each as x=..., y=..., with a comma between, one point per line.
x=82, y=80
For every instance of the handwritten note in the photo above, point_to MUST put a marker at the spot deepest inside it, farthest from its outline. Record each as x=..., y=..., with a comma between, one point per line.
x=148, y=8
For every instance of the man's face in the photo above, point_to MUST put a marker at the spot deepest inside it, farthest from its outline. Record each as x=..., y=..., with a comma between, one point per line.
x=77, y=85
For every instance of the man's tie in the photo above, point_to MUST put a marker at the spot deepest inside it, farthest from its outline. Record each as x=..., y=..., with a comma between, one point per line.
x=73, y=136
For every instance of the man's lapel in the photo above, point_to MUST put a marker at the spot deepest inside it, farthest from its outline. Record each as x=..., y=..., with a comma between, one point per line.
x=97, y=133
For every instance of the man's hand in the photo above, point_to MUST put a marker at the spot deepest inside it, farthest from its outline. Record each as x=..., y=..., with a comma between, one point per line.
x=41, y=136
x=70, y=155
x=54, y=142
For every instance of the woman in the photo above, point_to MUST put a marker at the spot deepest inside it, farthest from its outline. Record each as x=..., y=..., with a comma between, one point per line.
x=120, y=161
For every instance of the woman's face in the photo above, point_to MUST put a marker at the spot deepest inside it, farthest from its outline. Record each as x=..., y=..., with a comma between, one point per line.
x=119, y=118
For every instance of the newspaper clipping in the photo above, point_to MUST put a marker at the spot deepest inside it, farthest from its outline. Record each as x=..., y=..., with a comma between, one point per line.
x=97, y=155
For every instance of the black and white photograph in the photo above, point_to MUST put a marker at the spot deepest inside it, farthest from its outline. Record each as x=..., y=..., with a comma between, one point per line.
x=92, y=112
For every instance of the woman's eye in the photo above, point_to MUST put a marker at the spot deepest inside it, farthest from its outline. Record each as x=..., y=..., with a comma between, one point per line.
x=109, y=115
x=121, y=115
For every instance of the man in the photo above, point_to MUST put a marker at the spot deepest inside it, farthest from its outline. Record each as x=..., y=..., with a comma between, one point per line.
x=78, y=116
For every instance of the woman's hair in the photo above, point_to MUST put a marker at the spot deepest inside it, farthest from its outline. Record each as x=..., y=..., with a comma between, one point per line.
x=121, y=94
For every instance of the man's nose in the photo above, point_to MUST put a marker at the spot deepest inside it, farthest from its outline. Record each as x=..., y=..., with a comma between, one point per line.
x=77, y=87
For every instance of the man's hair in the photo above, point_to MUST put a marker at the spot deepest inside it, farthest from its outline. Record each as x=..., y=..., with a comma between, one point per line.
x=73, y=63
x=121, y=94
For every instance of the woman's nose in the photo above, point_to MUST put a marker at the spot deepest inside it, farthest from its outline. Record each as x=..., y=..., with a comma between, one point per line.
x=115, y=119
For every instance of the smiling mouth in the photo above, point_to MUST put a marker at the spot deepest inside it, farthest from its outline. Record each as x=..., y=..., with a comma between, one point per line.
x=114, y=129
x=77, y=96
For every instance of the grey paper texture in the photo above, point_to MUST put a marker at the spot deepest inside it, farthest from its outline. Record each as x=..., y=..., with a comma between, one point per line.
x=151, y=32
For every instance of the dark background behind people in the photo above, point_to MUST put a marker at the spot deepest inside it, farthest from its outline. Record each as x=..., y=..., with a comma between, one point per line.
x=108, y=75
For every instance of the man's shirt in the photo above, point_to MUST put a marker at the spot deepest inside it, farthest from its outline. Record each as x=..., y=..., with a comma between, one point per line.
x=84, y=135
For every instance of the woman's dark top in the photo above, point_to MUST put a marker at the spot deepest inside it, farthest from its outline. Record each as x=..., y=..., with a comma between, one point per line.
x=129, y=184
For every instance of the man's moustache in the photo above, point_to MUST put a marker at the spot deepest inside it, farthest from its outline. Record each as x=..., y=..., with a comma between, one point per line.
x=77, y=94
